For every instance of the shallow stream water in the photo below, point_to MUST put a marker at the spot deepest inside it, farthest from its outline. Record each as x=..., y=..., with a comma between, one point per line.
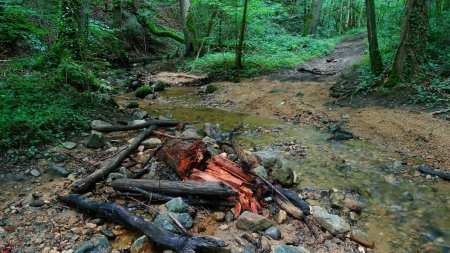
x=405, y=211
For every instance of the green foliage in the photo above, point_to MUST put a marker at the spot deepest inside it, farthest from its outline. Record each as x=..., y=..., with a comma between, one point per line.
x=77, y=75
x=143, y=91
x=211, y=88
x=299, y=94
x=159, y=86
x=133, y=104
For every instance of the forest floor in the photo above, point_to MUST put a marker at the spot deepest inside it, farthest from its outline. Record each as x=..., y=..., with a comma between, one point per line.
x=304, y=97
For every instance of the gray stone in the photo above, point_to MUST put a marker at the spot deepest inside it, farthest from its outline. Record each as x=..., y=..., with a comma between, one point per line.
x=136, y=122
x=268, y=159
x=96, y=140
x=337, y=201
x=177, y=205
x=332, y=223
x=260, y=170
x=288, y=249
x=99, y=123
x=68, y=145
x=150, y=96
x=140, y=245
x=58, y=171
x=253, y=222
x=59, y=157
x=163, y=220
x=229, y=217
x=219, y=216
x=108, y=233
x=139, y=114
x=189, y=134
x=213, y=131
x=95, y=245
x=152, y=143
x=273, y=232
x=19, y=177
x=284, y=175
x=35, y=173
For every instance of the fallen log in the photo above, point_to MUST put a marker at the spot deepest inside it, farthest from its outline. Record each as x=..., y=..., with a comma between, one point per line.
x=158, y=123
x=315, y=72
x=295, y=200
x=118, y=214
x=289, y=207
x=175, y=188
x=83, y=185
x=365, y=243
x=426, y=170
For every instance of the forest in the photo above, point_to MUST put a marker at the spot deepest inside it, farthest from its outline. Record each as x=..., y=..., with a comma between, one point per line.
x=224, y=126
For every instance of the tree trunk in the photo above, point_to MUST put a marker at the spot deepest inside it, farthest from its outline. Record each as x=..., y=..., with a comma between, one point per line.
x=315, y=17
x=376, y=63
x=413, y=40
x=240, y=45
x=184, y=12
x=117, y=14
x=72, y=30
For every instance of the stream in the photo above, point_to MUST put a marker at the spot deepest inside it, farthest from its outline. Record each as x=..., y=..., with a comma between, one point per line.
x=404, y=212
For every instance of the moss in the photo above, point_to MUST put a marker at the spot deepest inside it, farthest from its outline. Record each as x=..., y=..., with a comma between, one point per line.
x=143, y=91
x=211, y=88
x=133, y=104
x=159, y=86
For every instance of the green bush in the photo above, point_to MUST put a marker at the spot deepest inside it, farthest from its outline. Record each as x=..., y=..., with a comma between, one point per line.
x=159, y=86
x=143, y=91
x=133, y=104
x=211, y=88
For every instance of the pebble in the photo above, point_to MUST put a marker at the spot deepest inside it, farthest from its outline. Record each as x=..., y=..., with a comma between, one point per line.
x=35, y=173
x=282, y=217
x=224, y=227
x=219, y=216
x=91, y=225
x=273, y=232
x=69, y=145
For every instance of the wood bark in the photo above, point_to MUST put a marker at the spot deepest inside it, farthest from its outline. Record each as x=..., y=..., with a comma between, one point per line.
x=413, y=40
x=83, y=185
x=240, y=45
x=175, y=188
x=184, y=13
x=314, y=17
x=118, y=214
x=376, y=63
x=158, y=123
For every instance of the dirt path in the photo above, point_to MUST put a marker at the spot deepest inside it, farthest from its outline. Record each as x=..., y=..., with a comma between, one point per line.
x=304, y=98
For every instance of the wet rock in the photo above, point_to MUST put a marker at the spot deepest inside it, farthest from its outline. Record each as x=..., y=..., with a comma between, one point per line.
x=283, y=175
x=35, y=173
x=99, y=123
x=136, y=122
x=253, y=222
x=19, y=177
x=282, y=217
x=273, y=232
x=108, y=233
x=353, y=216
x=96, y=140
x=152, y=143
x=139, y=114
x=337, y=201
x=163, y=220
x=260, y=170
x=95, y=245
x=219, y=216
x=68, y=145
x=288, y=249
x=58, y=171
x=142, y=244
x=177, y=205
x=229, y=217
x=268, y=159
x=353, y=203
x=332, y=223
x=213, y=131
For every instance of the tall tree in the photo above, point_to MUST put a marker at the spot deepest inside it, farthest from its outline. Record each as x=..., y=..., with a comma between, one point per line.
x=240, y=45
x=376, y=63
x=117, y=13
x=184, y=12
x=413, y=40
x=313, y=18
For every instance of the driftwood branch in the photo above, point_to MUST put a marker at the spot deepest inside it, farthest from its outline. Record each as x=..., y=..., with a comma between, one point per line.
x=424, y=169
x=176, y=188
x=315, y=72
x=86, y=183
x=118, y=214
x=158, y=123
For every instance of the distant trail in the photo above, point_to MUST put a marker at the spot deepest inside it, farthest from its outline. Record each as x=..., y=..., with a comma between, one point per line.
x=343, y=56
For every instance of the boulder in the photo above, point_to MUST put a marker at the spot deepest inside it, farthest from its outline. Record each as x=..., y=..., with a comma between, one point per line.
x=332, y=223
x=260, y=170
x=288, y=249
x=283, y=175
x=177, y=205
x=268, y=159
x=253, y=222
x=95, y=245
x=163, y=220
x=96, y=140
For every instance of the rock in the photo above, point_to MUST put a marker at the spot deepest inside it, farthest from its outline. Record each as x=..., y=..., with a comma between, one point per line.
x=150, y=96
x=229, y=217
x=273, y=232
x=35, y=173
x=19, y=177
x=260, y=170
x=332, y=223
x=108, y=233
x=177, y=205
x=136, y=122
x=96, y=140
x=163, y=220
x=139, y=114
x=221, y=227
x=95, y=245
x=282, y=217
x=353, y=216
x=288, y=249
x=284, y=175
x=353, y=203
x=141, y=245
x=219, y=216
x=253, y=222
x=337, y=201
x=68, y=145
x=189, y=134
x=2, y=231
x=213, y=131
x=152, y=143
x=58, y=170
x=36, y=201
x=91, y=225
x=60, y=157
x=268, y=159
x=99, y=123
